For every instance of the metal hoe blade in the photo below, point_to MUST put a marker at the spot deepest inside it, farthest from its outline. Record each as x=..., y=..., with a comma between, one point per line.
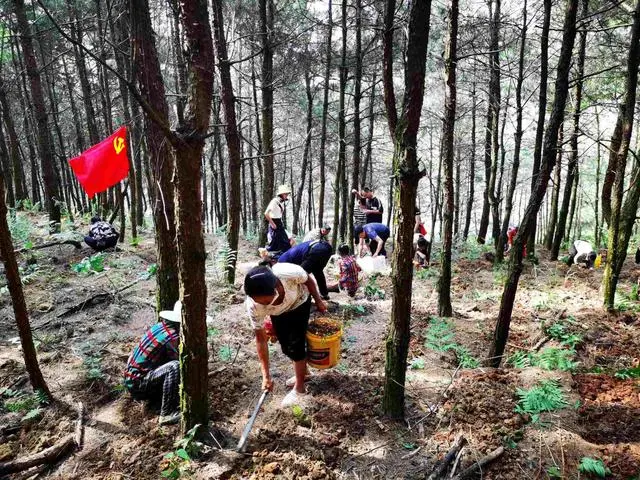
x=242, y=444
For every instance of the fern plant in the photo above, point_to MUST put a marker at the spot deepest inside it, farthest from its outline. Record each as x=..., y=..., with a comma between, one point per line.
x=593, y=466
x=439, y=336
x=224, y=259
x=546, y=396
x=552, y=358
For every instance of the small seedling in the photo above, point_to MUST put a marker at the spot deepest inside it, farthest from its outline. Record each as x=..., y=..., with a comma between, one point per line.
x=226, y=353
x=93, y=367
x=554, y=472
x=134, y=242
x=593, y=466
x=372, y=291
x=301, y=418
x=417, y=364
x=212, y=332
x=93, y=264
x=628, y=373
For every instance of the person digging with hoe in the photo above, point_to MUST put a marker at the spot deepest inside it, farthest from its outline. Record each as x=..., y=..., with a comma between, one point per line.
x=153, y=369
x=282, y=292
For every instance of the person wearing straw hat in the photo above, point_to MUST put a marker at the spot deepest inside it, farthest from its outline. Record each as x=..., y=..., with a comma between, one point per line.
x=282, y=292
x=153, y=369
x=279, y=238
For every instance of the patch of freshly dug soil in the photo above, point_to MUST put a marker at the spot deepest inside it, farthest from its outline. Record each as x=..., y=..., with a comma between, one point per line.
x=485, y=401
x=324, y=327
x=611, y=409
x=621, y=461
x=270, y=465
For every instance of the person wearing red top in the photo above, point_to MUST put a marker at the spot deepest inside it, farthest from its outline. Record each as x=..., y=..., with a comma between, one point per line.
x=511, y=234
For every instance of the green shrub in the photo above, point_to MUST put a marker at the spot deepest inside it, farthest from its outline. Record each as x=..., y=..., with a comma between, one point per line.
x=593, y=466
x=546, y=396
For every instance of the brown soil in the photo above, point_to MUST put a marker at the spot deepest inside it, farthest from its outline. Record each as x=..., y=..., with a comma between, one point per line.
x=324, y=327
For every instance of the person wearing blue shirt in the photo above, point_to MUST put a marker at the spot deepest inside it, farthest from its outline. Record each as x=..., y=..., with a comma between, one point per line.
x=377, y=234
x=312, y=257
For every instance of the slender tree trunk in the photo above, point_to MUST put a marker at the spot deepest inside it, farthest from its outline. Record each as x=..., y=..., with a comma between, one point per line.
x=357, y=97
x=371, y=114
x=305, y=154
x=472, y=163
x=517, y=136
x=448, y=128
x=325, y=112
x=266, y=29
x=572, y=208
x=555, y=195
x=191, y=252
x=14, y=147
x=405, y=160
x=17, y=299
x=45, y=148
x=623, y=216
x=542, y=109
x=572, y=164
x=598, y=227
x=231, y=135
x=148, y=73
x=537, y=195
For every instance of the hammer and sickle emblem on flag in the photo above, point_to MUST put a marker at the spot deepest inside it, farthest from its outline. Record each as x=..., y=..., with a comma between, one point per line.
x=118, y=144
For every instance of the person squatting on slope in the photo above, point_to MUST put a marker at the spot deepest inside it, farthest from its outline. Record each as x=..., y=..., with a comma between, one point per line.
x=284, y=293
x=349, y=269
x=102, y=235
x=153, y=369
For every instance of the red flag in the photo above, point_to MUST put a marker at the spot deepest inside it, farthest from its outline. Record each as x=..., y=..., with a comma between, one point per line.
x=104, y=164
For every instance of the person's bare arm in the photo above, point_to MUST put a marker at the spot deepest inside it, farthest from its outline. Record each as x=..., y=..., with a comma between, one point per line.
x=313, y=290
x=380, y=244
x=270, y=220
x=263, y=357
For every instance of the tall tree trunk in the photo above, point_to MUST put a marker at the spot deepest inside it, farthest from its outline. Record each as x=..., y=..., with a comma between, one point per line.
x=493, y=119
x=45, y=148
x=542, y=109
x=149, y=76
x=231, y=135
x=501, y=333
x=357, y=97
x=517, y=135
x=367, y=165
x=596, y=201
x=191, y=252
x=266, y=29
x=305, y=154
x=325, y=112
x=448, y=128
x=555, y=195
x=572, y=164
x=405, y=160
x=572, y=208
x=14, y=147
x=622, y=217
x=472, y=163
x=17, y=299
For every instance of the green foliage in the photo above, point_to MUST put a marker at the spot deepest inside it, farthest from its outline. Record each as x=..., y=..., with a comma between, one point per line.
x=212, y=332
x=93, y=367
x=440, y=337
x=425, y=273
x=135, y=241
x=634, y=294
x=177, y=465
x=28, y=206
x=20, y=228
x=560, y=331
x=554, y=472
x=189, y=443
x=628, y=373
x=226, y=353
x=224, y=259
x=93, y=264
x=551, y=358
x=417, y=364
x=472, y=250
x=301, y=418
x=593, y=466
x=372, y=291
x=546, y=396
x=20, y=402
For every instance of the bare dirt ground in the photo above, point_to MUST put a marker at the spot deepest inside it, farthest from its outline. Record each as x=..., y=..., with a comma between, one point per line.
x=343, y=433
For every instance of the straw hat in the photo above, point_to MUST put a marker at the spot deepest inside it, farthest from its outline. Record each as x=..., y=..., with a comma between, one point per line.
x=174, y=315
x=283, y=189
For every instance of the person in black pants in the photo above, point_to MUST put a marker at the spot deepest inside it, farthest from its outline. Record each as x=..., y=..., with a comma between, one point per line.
x=102, y=235
x=312, y=257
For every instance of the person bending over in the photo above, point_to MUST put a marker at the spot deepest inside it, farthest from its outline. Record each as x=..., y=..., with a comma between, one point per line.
x=153, y=369
x=422, y=255
x=582, y=253
x=283, y=293
x=377, y=234
x=102, y=235
x=317, y=234
x=312, y=257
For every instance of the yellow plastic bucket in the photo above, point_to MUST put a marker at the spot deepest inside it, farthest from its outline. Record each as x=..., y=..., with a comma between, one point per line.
x=323, y=352
x=598, y=261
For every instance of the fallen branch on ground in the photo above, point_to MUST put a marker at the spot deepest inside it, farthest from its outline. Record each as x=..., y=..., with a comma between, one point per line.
x=52, y=454
x=441, y=466
x=75, y=243
x=479, y=464
x=96, y=299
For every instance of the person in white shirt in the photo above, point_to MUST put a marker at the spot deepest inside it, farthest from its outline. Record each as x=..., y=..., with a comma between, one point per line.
x=283, y=292
x=279, y=241
x=582, y=252
x=317, y=234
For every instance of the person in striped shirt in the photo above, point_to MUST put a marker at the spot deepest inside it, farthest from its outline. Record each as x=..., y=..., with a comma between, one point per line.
x=153, y=368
